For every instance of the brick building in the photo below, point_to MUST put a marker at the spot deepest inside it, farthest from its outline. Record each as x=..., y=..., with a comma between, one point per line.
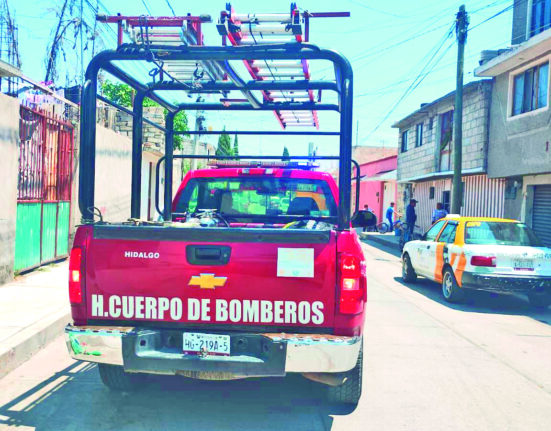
x=425, y=158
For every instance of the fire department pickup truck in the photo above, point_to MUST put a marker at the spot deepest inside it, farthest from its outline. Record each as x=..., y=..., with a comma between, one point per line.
x=251, y=279
x=254, y=270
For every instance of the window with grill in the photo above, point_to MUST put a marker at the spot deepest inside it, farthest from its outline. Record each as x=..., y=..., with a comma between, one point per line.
x=419, y=135
x=404, y=141
x=530, y=89
x=541, y=16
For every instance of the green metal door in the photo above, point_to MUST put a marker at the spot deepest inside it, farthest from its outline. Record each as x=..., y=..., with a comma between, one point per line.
x=27, y=235
x=44, y=189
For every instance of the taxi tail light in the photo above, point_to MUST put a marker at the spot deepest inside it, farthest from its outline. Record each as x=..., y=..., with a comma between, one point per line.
x=489, y=261
x=352, y=284
x=75, y=276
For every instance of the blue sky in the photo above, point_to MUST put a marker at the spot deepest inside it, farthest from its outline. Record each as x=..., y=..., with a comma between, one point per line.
x=389, y=44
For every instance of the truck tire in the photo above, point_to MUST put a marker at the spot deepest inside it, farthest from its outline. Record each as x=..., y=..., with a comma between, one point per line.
x=115, y=378
x=450, y=289
x=539, y=299
x=408, y=273
x=350, y=391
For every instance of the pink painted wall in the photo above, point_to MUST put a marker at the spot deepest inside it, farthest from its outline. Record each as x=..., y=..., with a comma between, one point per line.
x=369, y=189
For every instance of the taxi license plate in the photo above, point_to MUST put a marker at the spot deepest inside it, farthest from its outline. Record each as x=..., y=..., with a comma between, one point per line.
x=195, y=342
x=523, y=264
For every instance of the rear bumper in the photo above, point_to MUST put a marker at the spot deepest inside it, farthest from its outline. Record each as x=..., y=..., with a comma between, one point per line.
x=159, y=351
x=506, y=283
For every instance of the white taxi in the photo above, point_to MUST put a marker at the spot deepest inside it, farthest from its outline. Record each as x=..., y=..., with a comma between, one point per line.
x=481, y=253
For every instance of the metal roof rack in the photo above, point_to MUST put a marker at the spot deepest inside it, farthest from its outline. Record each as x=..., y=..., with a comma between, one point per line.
x=118, y=63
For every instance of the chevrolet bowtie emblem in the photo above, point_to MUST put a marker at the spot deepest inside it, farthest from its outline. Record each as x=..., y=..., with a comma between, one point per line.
x=207, y=281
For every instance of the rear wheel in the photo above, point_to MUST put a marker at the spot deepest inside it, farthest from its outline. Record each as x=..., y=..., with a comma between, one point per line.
x=382, y=227
x=115, y=378
x=539, y=299
x=450, y=289
x=350, y=391
x=408, y=273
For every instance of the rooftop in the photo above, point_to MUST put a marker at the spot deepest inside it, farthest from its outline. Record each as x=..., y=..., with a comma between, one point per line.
x=414, y=116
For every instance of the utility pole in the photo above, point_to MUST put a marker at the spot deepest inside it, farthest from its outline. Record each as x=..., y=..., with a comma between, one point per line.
x=199, y=119
x=461, y=24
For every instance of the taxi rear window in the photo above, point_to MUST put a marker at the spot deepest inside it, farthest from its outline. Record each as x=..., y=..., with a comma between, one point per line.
x=500, y=233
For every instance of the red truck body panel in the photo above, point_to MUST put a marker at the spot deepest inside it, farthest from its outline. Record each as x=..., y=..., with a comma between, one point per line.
x=250, y=275
x=151, y=279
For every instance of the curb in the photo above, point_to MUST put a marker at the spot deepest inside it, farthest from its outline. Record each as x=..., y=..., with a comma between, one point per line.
x=389, y=244
x=30, y=340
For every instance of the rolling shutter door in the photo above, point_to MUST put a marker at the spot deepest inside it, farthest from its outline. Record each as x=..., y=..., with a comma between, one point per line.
x=541, y=216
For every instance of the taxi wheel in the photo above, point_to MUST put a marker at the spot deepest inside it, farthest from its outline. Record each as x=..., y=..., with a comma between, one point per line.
x=408, y=273
x=450, y=289
x=539, y=300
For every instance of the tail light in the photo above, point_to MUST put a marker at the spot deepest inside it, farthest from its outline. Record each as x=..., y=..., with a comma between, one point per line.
x=483, y=261
x=352, y=284
x=75, y=276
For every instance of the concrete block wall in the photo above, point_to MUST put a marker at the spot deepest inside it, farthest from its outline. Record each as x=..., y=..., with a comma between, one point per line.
x=424, y=160
x=9, y=148
x=113, y=174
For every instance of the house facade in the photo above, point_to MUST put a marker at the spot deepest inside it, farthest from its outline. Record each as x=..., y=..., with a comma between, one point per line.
x=426, y=151
x=520, y=118
x=378, y=184
x=378, y=177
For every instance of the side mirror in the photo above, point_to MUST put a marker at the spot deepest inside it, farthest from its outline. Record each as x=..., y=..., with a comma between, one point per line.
x=424, y=237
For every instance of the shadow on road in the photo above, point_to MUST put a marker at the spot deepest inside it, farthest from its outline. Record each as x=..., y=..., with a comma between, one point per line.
x=481, y=302
x=394, y=251
x=74, y=399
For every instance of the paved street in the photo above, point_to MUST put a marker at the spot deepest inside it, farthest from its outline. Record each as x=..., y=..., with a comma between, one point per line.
x=428, y=366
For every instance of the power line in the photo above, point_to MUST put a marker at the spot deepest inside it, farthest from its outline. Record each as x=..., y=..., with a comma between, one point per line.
x=146, y=7
x=170, y=6
x=418, y=79
x=376, y=91
x=508, y=8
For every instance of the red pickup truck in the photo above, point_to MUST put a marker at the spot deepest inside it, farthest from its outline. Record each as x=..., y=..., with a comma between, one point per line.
x=250, y=279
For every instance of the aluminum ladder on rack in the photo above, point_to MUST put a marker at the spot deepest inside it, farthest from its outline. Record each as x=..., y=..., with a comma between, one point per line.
x=273, y=28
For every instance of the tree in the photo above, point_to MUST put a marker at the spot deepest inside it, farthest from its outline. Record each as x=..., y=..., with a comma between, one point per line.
x=235, y=147
x=285, y=154
x=180, y=125
x=123, y=94
x=224, y=145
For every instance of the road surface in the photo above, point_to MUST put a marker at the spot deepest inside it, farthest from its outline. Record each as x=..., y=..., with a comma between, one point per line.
x=429, y=365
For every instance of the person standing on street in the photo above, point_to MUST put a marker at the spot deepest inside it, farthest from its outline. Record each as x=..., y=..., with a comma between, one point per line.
x=439, y=212
x=390, y=216
x=411, y=218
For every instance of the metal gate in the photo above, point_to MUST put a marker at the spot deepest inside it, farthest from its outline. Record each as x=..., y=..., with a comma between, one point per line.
x=44, y=189
x=541, y=215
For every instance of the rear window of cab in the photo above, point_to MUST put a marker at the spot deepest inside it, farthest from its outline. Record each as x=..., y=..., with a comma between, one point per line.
x=500, y=233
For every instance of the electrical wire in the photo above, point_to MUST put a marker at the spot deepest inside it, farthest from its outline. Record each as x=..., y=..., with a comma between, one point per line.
x=146, y=7
x=170, y=6
x=380, y=90
x=418, y=79
x=508, y=8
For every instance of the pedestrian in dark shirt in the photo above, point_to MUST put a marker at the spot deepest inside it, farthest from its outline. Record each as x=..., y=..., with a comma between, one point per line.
x=390, y=216
x=411, y=218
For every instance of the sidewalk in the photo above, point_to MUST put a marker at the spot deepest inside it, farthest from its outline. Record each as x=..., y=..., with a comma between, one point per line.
x=34, y=309
x=387, y=239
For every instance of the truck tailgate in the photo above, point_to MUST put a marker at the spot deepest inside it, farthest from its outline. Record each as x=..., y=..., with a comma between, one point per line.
x=221, y=276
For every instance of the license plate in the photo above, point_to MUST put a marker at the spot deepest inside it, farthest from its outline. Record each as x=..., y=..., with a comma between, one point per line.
x=216, y=344
x=523, y=264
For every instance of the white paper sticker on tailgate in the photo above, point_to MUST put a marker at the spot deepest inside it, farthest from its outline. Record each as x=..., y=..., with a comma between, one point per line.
x=295, y=262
